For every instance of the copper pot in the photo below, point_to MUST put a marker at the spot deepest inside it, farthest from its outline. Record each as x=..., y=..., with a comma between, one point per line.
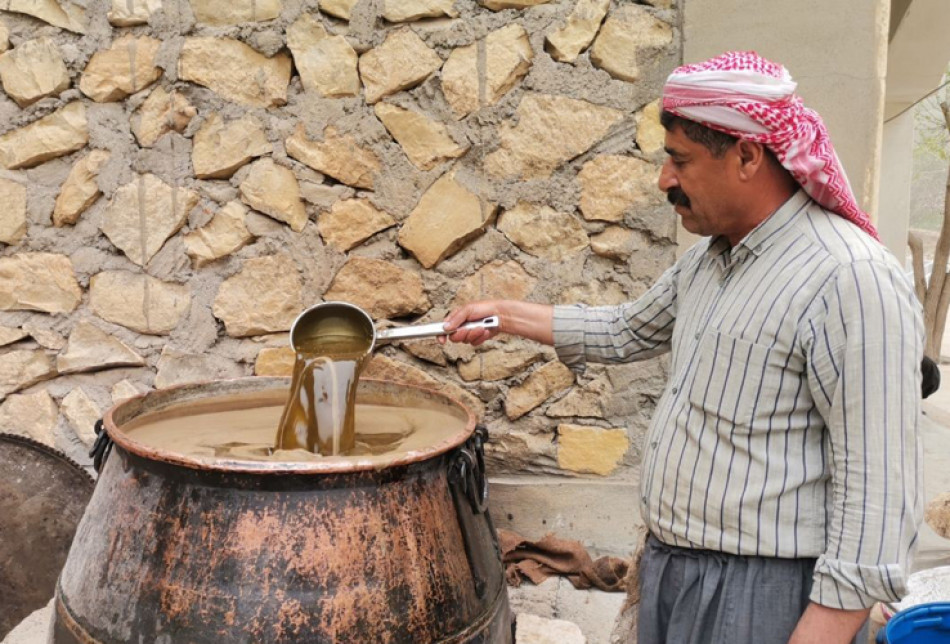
x=172, y=549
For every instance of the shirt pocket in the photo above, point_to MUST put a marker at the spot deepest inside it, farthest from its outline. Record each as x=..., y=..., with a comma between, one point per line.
x=735, y=380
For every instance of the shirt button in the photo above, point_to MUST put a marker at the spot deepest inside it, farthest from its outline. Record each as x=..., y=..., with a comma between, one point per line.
x=697, y=335
x=644, y=499
x=675, y=389
x=653, y=444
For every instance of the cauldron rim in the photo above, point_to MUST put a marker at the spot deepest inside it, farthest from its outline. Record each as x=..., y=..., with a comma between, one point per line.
x=180, y=394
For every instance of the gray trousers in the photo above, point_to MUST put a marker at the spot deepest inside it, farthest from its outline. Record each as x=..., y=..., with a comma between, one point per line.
x=705, y=597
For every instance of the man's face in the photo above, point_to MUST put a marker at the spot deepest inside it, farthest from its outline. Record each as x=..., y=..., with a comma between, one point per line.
x=699, y=185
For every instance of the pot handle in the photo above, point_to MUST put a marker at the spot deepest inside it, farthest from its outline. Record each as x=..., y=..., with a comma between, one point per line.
x=101, y=448
x=468, y=470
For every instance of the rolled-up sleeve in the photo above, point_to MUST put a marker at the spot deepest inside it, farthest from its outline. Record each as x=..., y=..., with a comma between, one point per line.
x=865, y=344
x=632, y=331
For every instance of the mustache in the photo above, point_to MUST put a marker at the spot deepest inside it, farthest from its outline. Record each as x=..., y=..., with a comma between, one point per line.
x=677, y=197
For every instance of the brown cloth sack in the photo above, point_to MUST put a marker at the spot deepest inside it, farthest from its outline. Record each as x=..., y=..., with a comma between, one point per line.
x=538, y=560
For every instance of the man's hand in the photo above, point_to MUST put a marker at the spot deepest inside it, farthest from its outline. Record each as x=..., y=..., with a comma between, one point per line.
x=532, y=321
x=822, y=625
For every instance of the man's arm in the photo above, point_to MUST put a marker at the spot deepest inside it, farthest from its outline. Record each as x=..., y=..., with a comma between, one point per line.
x=525, y=319
x=822, y=625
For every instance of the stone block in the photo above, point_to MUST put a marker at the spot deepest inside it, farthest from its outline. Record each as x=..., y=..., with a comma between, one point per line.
x=543, y=232
x=497, y=280
x=92, y=349
x=531, y=629
x=161, y=113
x=591, y=450
x=338, y=156
x=612, y=185
x=9, y=335
x=499, y=5
x=543, y=383
x=937, y=514
x=273, y=190
x=12, y=211
x=567, y=42
x=125, y=389
x=31, y=415
x=617, y=242
x=139, y=302
x=587, y=401
x=4, y=37
x=498, y=364
x=81, y=413
x=80, y=190
x=549, y=131
x=400, y=62
x=33, y=70
x=224, y=234
x=408, y=10
x=627, y=36
x=126, y=67
x=144, y=213
x=179, y=368
x=426, y=142
x=350, y=222
x=59, y=133
x=327, y=64
x=221, y=147
x=234, y=12
x=38, y=282
x=341, y=9
x=651, y=135
x=235, y=71
x=384, y=368
x=381, y=288
x=447, y=217
x=264, y=297
x=45, y=337
x=65, y=15
x=275, y=361
x=128, y=13
x=508, y=58
x=23, y=368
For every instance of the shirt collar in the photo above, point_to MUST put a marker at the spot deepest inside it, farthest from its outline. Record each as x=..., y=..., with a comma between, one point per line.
x=763, y=235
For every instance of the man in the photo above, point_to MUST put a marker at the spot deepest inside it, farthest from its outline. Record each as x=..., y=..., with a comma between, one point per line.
x=781, y=470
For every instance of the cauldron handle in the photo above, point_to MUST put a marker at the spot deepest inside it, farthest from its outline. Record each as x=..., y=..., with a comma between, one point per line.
x=101, y=448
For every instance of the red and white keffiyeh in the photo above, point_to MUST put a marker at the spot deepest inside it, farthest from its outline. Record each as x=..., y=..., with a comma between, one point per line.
x=744, y=95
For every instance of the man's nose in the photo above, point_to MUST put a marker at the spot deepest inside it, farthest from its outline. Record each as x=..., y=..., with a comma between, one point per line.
x=667, y=178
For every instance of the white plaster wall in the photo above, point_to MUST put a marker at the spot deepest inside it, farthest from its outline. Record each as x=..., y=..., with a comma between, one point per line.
x=897, y=164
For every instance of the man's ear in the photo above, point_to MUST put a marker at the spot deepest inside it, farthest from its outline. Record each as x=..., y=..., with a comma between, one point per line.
x=751, y=157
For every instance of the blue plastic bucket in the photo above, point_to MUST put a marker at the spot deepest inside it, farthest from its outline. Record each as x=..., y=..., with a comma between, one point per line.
x=921, y=624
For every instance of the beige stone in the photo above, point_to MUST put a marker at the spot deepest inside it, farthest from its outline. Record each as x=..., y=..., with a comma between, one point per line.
x=501, y=280
x=33, y=70
x=59, y=133
x=82, y=414
x=4, y=37
x=63, y=14
x=23, y=368
x=91, y=349
x=603, y=292
x=139, y=302
x=31, y=415
x=125, y=389
x=128, y=13
x=400, y=62
x=127, y=67
x=533, y=629
x=384, y=368
x=566, y=43
x=12, y=211
x=508, y=57
x=381, y=288
x=619, y=243
x=543, y=232
x=273, y=190
x=498, y=364
x=144, y=213
x=550, y=130
x=651, y=136
x=499, y=5
x=587, y=401
x=591, y=450
x=447, y=217
x=38, y=282
x=235, y=71
x=408, y=10
x=937, y=514
x=234, y=12
x=327, y=64
x=9, y=335
x=612, y=185
x=275, y=361
x=426, y=142
x=221, y=147
x=628, y=32
x=543, y=383
x=338, y=156
x=45, y=337
x=80, y=190
x=338, y=8
x=179, y=368
x=224, y=234
x=161, y=113
x=350, y=222
x=264, y=297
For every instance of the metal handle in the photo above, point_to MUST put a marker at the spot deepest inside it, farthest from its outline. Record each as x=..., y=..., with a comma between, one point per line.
x=430, y=330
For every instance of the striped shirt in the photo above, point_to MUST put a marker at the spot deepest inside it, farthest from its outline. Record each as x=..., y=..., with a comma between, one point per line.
x=789, y=425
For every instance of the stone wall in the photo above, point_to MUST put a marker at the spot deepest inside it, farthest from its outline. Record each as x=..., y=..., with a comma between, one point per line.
x=181, y=177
